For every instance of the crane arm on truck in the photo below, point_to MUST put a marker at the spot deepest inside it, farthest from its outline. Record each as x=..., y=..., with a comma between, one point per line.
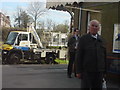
x=32, y=30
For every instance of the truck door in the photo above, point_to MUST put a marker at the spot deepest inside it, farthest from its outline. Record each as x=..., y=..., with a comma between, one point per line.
x=23, y=40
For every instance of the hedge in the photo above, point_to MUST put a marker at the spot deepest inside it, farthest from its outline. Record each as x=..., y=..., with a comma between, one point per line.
x=6, y=31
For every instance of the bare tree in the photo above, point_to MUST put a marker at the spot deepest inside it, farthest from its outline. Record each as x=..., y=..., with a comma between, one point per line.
x=36, y=9
x=66, y=22
x=62, y=28
x=49, y=24
x=18, y=17
x=21, y=18
x=25, y=18
x=54, y=26
x=66, y=27
x=41, y=25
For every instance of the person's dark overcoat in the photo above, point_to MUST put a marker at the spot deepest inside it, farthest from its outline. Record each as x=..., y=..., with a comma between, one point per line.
x=91, y=54
x=72, y=43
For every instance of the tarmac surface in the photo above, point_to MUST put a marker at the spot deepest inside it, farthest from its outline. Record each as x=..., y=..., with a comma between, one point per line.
x=41, y=76
x=37, y=76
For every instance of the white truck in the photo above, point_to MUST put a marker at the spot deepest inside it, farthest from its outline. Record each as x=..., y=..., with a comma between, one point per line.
x=26, y=45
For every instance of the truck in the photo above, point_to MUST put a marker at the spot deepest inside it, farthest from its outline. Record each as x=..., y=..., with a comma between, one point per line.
x=26, y=45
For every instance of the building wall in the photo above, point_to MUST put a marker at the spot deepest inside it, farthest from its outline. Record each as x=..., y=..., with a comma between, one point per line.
x=4, y=20
x=108, y=16
x=56, y=38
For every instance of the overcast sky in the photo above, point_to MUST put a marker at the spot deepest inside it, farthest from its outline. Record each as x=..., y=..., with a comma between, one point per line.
x=9, y=7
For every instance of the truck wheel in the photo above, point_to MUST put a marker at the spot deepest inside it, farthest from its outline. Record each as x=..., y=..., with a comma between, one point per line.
x=14, y=58
x=4, y=61
x=50, y=59
x=39, y=61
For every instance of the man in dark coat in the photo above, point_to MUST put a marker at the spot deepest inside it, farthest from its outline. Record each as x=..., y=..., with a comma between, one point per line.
x=91, y=58
x=72, y=46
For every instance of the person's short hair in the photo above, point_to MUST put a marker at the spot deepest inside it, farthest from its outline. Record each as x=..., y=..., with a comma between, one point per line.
x=94, y=21
x=75, y=29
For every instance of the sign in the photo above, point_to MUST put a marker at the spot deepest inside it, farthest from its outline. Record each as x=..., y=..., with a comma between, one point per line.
x=116, y=38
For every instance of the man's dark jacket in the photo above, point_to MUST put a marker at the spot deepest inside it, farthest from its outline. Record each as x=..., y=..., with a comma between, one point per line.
x=72, y=43
x=91, y=54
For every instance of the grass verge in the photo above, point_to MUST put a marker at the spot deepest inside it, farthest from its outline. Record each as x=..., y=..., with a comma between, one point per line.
x=59, y=61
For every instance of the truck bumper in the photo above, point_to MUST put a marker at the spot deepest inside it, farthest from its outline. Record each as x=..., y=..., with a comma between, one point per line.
x=4, y=54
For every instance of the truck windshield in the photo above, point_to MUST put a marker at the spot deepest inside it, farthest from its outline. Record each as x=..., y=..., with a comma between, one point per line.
x=11, y=38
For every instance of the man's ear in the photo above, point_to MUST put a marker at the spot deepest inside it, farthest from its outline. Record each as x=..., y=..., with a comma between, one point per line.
x=98, y=28
x=89, y=27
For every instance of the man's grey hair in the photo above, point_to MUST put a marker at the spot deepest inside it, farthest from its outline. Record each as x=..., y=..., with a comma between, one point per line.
x=94, y=21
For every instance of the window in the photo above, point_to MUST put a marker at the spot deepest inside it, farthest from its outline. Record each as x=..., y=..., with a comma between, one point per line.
x=24, y=37
x=63, y=40
x=11, y=38
x=32, y=39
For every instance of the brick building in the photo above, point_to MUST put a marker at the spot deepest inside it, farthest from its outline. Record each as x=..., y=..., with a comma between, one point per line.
x=4, y=20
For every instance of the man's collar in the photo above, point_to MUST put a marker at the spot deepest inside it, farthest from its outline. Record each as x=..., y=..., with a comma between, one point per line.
x=94, y=36
x=97, y=36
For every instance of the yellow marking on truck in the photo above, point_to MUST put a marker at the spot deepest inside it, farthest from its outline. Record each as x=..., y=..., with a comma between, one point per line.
x=7, y=47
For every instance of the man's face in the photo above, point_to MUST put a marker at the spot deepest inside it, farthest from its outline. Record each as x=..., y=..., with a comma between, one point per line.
x=94, y=27
x=77, y=32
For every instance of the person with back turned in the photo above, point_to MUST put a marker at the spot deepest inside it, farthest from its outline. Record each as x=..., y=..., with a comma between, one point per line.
x=72, y=46
x=91, y=58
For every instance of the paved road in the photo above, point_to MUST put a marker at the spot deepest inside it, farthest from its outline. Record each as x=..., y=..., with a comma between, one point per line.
x=40, y=76
x=37, y=76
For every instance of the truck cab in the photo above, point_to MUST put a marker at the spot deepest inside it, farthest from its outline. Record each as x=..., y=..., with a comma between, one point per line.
x=19, y=45
x=20, y=38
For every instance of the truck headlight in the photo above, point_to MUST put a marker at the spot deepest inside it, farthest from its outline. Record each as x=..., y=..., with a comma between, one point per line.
x=5, y=52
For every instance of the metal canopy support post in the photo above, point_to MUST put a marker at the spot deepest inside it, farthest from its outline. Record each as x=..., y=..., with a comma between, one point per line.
x=80, y=18
x=80, y=14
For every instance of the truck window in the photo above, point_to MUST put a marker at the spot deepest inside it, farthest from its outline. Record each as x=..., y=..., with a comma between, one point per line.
x=25, y=37
x=11, y=38
x=32, y=39
x=22, y=37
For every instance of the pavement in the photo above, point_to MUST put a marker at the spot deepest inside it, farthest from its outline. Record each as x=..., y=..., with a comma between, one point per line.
x=41, y=76
x=37, y=76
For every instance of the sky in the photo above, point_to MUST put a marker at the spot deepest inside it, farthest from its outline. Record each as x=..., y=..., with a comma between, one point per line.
x=9, y=7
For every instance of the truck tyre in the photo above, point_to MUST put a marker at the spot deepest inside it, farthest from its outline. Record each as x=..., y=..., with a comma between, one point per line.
x=39, y=61
x=50, y=59
x=14, y=58
x=4, y=61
